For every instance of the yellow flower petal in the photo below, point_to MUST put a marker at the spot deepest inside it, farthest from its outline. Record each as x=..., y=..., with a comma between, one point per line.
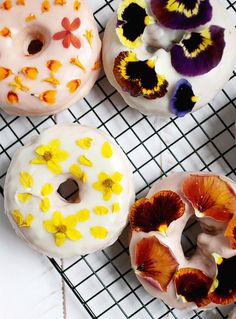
x=12, y=97
x=54, y=65
x=5, y=32
x=30, y=72
x=45, y=6
x=18, y=217
x=115, y=207
x=77, y=62
x=49, y=226
x=83, y=215
x=26, y=179
x=98, y=186
x=102, y=176
x=30, y=17
x=47, y=189
x=28, y=221
x=76, y=171
x=99, y=232
x=4, y=73
x=107, y=194
x=48, y=97
x=20, y=2
x=100, y=210
x=60, y=2
x=89, y=36
x=18, y=83
x=107, y=150
x=117, y=177
x=97, y=65
x=117, y=189
x=24, y=197
x=52, y=80
x=6, y=5
x=44, y=204
x=60, y=239
x=57, y=218
x=85, y=161
x=38, y=160
x=54, y=144
x=85, y=143
x=73, y=234
x=77, y=5
x=73, y=85
x=54, y=167
x=60, y=155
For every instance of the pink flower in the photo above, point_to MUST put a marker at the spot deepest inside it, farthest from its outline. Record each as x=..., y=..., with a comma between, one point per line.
x=67, y=35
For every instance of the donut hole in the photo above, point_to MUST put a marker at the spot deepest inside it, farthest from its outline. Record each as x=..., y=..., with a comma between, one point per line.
x=189, y=237
x=35, y=46
x=69, y=191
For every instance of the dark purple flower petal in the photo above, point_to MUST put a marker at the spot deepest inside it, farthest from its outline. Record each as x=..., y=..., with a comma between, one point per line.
x=182, y=14
x=198, y=53
x=183, y=98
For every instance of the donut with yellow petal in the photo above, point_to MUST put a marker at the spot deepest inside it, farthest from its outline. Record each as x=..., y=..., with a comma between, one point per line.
x=69, y=191
x=205, y=278
x=48, y=52
x=163, y=56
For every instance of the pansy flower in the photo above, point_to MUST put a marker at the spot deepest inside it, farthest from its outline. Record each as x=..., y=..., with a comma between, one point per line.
x=225, y=292
x=139, y=78
x=182, y=14
x=132, y=20
x=210, y=196
x=192, y=285
x=198, y=52
x=50, y=155
x=183, y=98
x=67, y=36
x=154, y=262
x=156, y=213
x=230, y=231
x=109, y=184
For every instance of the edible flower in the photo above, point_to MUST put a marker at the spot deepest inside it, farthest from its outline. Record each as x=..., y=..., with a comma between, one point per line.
x=109, y=184
x=21, y=221
x=230, y=231
x=67, y=35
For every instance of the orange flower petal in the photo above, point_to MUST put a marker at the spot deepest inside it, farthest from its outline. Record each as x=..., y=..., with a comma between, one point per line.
x=210, y=196
x=30, y=72
x=45, y=6
x=156, y=213
x=48, y=97
x=225, y=293
x=193, y=285
x=97, y=65
x=6, y=5
x=77, y=5
x=12, y=97
x=5, y=32
x=61, y=2
x=73, y=85
x=20, y=2
x=54, y=65
x=230, y=232
x=4, y=73
x=155, y=262
x=30, y=17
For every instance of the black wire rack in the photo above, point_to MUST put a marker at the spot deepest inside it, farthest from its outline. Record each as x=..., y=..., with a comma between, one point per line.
x=103, y=282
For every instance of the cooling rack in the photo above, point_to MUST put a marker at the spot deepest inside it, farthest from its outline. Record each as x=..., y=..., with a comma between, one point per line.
x=104, y=282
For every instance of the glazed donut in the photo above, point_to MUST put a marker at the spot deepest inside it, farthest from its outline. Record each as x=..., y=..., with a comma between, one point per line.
x=168, y=57
x=50, y=55
x=206, y=278
x=53, y=222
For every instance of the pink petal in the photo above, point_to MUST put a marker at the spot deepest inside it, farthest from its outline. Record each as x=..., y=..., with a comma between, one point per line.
x=75, y=24
x=59, y=35
x=75, y=41
x=66, y=24
x=67, y=40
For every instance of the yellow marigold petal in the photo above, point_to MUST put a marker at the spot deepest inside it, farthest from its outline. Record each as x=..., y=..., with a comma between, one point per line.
x=30, y=17
x=48, y=97
x=99, y=232
x=107, y=150
x=117, y=177
x=73, y=234
x=97, y=65
x=49, y=226
x=26, y=179
x=5, y=32
x=4, y=73
x=54, y=65
x=12, y=97
x=85, y=161
x=89, y=36
x=100, y=210
x=52, y=80
x=44, y=204
x=73, y=85
x=57, y=218
x=85, y=143
x=83, y=215
x=18, y=83
x=30, y=72
x=24, y=197
x=77, y=5
x=115, y=207
x=54, y=167
x=76, y=171
x=77, y=62
x=60, y=2
x=20, y=2
x=6, y=5
x=45, y=6
x=47, y=189
x=60, y=239
x=107, y=194
x=18, y=217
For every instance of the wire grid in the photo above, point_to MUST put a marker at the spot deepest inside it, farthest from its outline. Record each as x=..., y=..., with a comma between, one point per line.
x=103, y=282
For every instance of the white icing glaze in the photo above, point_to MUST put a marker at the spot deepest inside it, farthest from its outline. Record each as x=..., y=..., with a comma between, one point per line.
x=205, y=87
x=207, y=243
x=36, y=235
x=14, y=55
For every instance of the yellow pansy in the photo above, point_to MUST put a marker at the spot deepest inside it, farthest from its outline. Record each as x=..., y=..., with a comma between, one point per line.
x=77, y=172
x=85, y=143
x=20, y=221
x=99, y=232
x=44, y=205
x=24, y=197
x=26, y=179
x=100, y=210
x=62, y=227
x=115, y=207
x=85, y=161
x=109, y=184
x=50, y=155
x=107, y=150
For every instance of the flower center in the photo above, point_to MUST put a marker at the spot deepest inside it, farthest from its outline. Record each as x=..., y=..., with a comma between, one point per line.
x=47, y=156
x=62, y=229
x=108, y=183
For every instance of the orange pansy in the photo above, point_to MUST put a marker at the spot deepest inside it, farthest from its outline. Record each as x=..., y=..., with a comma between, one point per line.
x=73, y=85
x=12, y=97
x=230, y=232
x=210, y=196
x=48, y=97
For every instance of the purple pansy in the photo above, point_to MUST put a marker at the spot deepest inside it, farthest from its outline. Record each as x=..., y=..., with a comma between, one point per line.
x=182, y=14
x=183, y=98
x=198, y=52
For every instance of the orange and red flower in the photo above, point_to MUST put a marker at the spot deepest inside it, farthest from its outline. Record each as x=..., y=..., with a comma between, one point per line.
x=210, y=196
x=155, y=262
x=156, y=213
x=230, y=232
x=67, y=35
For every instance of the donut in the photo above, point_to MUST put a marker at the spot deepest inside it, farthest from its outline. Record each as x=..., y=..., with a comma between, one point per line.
x=69, y=191
x=168, y=57
x=205, y=278
x=50, y=55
